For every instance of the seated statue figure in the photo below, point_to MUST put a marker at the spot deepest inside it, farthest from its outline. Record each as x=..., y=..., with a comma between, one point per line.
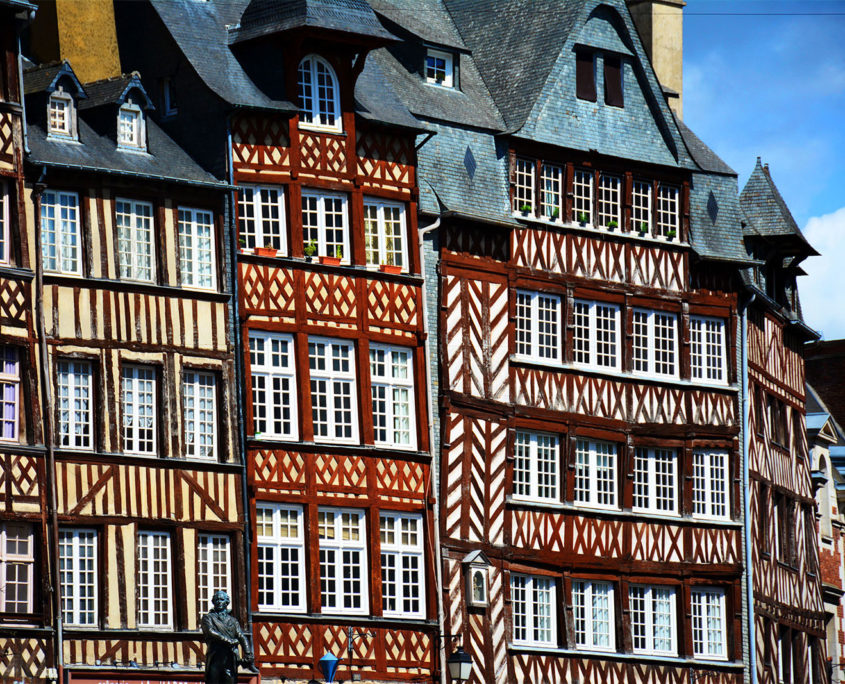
x=223, y=635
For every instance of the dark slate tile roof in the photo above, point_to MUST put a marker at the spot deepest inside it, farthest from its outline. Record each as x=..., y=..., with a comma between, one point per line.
x=200, y=30
x=263, y=17
x=165, y=159
x=706, y=158
x=43, y=77
x=114, y=91
x=825, y=368
x=715, y=218
x=428, y=21
x=515, y=43
x=767, y=210
x=376, y=102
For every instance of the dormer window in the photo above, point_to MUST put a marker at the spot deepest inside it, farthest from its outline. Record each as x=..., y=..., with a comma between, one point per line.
x=319, y=97
x=130, y=126
x=439, y=68
x=61, y=114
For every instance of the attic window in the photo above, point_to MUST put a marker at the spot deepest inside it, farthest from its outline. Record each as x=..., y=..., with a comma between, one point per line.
x=168, y=97
x=130, y=126
x=61, y=115
x=319, y=96
x=585, y=75
x=439, y=68
x=614, y=93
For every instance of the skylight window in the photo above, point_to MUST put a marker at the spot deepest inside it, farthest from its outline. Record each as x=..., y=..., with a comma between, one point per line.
x=439, y=68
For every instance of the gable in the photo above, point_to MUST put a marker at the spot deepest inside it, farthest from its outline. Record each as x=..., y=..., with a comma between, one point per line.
x=643, y=129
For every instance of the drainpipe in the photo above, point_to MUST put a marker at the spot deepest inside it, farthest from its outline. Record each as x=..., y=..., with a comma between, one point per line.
x=49, y=442
x=438, y=561
x=239, y=375
x=746, y=481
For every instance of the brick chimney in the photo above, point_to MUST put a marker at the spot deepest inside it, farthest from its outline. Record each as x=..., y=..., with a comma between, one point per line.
x=80, y=31
x=661, y=27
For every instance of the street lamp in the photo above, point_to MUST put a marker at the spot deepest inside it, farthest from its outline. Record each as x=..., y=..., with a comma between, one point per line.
x=460, y=665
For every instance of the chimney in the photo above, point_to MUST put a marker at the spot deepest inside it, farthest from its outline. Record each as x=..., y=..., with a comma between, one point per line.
x=81, y=31
x=661, y=27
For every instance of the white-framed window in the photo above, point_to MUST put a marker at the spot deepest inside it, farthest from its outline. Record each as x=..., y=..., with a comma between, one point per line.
x=134, y=221
x=10, y=387
x=536, y=466
x=538, y=325
x=668, y=213
x=139, y=410
x=60, y=115
x=343, y=560
x=17, y=567
x=439, y=69
x=610, y=200
x=60, y=240
x=402, y=567
x=384, y=233
x=280, y=536
x=710, y=483
x=523, y=185
x=641, y=207
x=582, y=196
x=324, y=224
x=593, y=615
x=74, y=404
x=199, y=417
x=334, y=404
x=392, y=380
x=214, y=568
x=655, y=343
x=551, y=191
x=709, y=638
x=5, y=244
x=319, y=95
x=261, y=217
x=196, y=249
x=78, y=575
x=596, y=335
x=155, y=596
x=534, y=610
x=595, y=474
x=653, y=619
x=272, y=367
x=708, y=360
x=655, y=480
x=130, y=127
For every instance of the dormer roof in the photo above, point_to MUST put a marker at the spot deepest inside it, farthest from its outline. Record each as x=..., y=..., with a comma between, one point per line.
x=116, y=91
x=768, y=214
x=353, y=19
x=45, y=78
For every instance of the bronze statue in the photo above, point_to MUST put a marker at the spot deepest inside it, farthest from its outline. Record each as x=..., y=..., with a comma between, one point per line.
x=223, y=635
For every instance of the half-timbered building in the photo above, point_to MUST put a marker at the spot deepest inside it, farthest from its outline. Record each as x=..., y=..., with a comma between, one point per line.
x=331, y=328
x=135, y=360
x=788, y=609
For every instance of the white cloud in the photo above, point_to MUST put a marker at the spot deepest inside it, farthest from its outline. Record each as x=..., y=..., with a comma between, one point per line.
x=823, y=289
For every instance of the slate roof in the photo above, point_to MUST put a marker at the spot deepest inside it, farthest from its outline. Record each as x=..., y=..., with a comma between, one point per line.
x=43, y=77
x=767, y=211
x=706, y=158
x=94, y=152
x=715, y=218
x=429, y=21
x=264, y=17
x=825, y=369
x=114, y=91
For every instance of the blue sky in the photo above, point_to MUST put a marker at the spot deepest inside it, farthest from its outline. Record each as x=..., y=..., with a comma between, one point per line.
x=767, y=78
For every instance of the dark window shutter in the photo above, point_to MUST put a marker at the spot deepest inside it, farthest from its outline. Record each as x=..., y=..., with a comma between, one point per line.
x=613, y=92
x=585, y=76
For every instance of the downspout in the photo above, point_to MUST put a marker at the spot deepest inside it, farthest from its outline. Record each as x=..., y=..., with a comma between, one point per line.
x=47, y=412
x=746, y=481
x=239, y=375
x=435, y=480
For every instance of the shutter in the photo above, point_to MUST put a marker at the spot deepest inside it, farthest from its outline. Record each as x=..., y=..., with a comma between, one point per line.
x=585, y=76
x=613, y=93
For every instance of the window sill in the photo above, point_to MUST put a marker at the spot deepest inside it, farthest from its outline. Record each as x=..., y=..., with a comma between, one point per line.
x=619, y=374
x=9, y=271
x=364, y=618
x=589, y=228
x=317, y=128
x=314, y=264
x=146, y=461
x=142, y=287
x=340, y=447
x=697, y=662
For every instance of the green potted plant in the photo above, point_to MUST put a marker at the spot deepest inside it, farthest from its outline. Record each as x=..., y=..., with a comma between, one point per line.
x=242, y=242
x=612, y=224
x=671, y=234
x=525, y=209
x=309, y=250
x=582, y=218
x=267, y=250
x=333, y=260
x=643, y=229
x=555, y=214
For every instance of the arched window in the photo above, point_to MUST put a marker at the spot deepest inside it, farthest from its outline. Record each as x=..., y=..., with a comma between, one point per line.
x=319, y=98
